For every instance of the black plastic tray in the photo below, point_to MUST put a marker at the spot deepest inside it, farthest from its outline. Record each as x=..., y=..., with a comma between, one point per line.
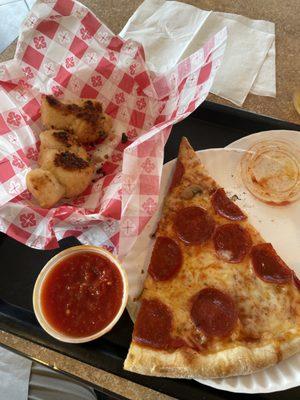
x=209, y=126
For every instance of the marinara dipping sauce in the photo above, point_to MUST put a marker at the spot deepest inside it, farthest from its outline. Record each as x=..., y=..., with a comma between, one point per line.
x=80, y=294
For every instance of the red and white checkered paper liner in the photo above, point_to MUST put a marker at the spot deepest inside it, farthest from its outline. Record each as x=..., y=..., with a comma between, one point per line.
x=65, y=50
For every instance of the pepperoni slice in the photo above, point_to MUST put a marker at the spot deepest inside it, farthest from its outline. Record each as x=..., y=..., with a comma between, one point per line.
x=194, y=225
x=166, y=259
x=296, y=281
x=214, y=312
x=225, y=207
x=268, y=266
x=153, y=326
x=232, y=242
x=178, y=174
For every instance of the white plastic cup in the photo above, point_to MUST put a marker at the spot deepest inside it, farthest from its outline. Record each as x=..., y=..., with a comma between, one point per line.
x=42, y=277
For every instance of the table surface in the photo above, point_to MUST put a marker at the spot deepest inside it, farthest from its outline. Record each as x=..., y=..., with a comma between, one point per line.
x=115, y=14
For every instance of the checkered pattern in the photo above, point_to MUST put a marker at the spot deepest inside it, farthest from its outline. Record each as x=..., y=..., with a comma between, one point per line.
x=65, y=50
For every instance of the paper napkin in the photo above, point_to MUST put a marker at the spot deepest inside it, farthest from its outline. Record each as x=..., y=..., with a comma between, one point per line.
x=171, y=31
x=14, y=375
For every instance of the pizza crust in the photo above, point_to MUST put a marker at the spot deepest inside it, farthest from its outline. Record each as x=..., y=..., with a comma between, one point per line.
x=274, y=310
x=189, y=364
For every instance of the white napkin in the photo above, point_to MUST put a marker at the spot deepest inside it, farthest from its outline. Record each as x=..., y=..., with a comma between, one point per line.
x=14, y=376
x=170, y=31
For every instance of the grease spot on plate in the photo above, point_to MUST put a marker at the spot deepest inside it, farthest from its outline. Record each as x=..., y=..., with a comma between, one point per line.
x=271, y=171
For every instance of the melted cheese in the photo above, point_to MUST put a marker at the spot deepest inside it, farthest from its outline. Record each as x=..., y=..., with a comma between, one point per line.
x=266, y=311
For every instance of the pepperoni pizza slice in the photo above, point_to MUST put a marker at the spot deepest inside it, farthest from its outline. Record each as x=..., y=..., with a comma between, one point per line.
x=218, y=300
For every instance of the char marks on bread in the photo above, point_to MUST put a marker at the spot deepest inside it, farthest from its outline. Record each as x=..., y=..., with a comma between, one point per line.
x=84, y=118
x=66, y=170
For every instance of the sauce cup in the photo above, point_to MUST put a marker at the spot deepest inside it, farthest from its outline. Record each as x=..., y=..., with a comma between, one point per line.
x=38, y=287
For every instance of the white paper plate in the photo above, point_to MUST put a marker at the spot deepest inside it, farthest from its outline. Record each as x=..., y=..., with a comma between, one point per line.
x=279, y=225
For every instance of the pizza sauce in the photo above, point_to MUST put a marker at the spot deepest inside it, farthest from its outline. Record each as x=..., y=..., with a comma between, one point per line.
x=82, y=294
